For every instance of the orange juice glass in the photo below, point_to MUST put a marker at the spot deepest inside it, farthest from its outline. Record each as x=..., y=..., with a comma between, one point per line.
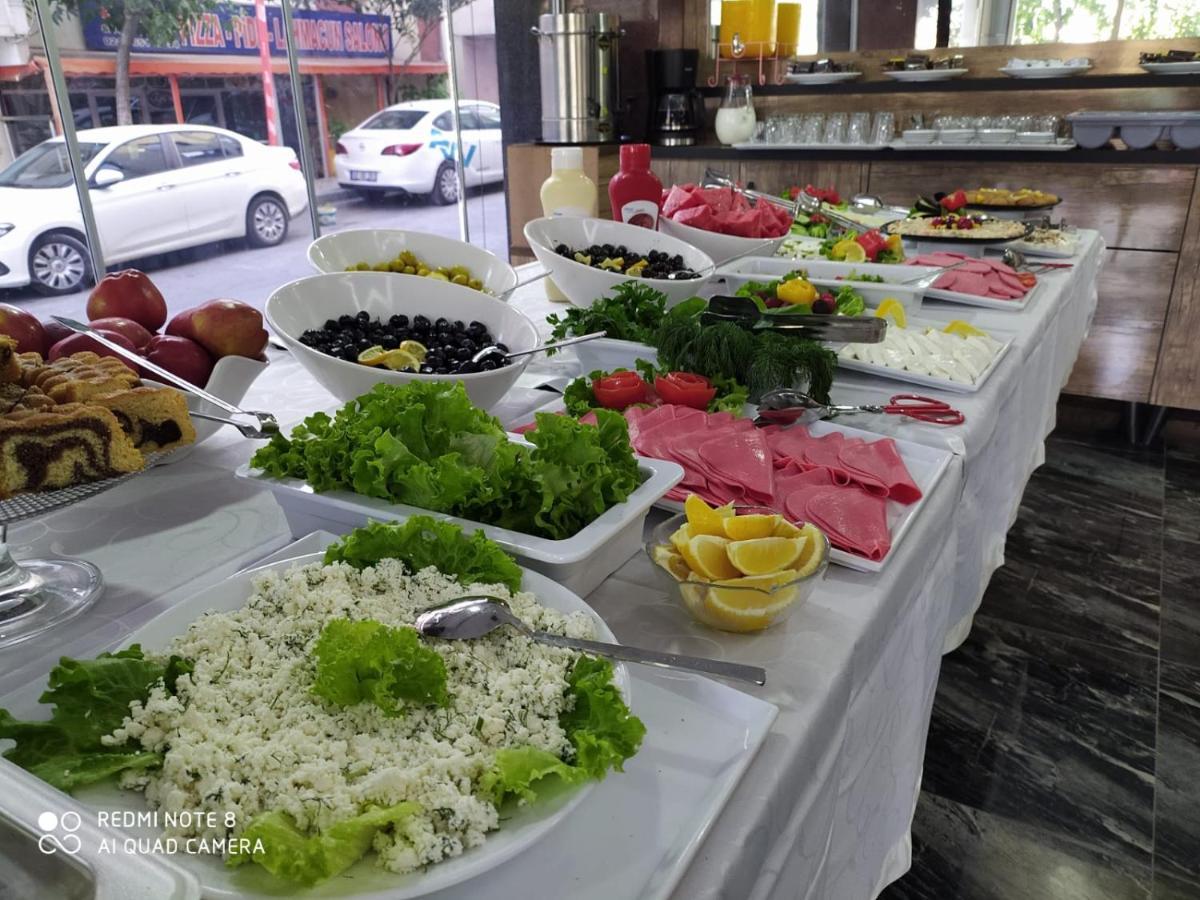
x=753, y=21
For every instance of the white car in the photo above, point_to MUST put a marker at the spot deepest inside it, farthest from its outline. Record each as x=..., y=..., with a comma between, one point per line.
x=154, y=188
x=410, y=147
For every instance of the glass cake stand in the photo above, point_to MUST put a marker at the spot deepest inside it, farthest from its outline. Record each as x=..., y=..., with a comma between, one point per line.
x=39, y=594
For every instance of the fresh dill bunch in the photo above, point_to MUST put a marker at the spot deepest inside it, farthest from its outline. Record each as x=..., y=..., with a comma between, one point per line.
x=780, y=361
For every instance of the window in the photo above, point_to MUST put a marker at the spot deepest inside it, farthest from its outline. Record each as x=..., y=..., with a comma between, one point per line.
x=143, y=156
x=232, y=148
x=198, y=147
x=469, y=118
x=45, y=166
x=444, y=122
x=1084, y=21
x=396, y=119
x=488, y=117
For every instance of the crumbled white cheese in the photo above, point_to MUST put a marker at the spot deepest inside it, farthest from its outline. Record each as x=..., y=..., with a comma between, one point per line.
x=245, y=735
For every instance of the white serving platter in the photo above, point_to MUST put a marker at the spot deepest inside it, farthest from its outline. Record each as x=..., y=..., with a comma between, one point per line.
x=1043, y=250
x=821, y=77
x=825, y=274
x=1062, y=144
x=761, y=145
x=579, y=562
x=941, y=384
x=924, y=74
x=926, y=465
x=1043, y=71
x=985, y=302
x=1172, y=68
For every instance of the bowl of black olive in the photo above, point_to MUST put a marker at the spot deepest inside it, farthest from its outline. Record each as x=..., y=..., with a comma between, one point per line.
x=587, y=258
x=351, y=330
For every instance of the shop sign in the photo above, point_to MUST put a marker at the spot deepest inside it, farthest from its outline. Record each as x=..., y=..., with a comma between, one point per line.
x=231, y=29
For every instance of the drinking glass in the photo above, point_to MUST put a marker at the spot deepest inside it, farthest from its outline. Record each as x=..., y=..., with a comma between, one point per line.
x=811, y=128
x=883, y=131
x=858, y=128
x=835, y=129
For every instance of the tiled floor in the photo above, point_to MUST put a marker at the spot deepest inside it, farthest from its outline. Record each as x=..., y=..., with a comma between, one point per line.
x=1063, y=760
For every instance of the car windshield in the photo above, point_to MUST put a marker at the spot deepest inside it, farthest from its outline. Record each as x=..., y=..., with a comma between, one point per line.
x=396, y=119
x=45, y=166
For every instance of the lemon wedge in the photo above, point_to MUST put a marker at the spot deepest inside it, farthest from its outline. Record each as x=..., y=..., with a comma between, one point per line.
x=398, y=360
x=416, y=348
x=373, y=356
x=964, y=329
x=764, y=556
x=747, y=604
x=893, y=310
x=672, y=561
x=749, y=527
x=682, y=535
x=704, y=519
x=812, y=553
x=705, y=556
x=855, y=253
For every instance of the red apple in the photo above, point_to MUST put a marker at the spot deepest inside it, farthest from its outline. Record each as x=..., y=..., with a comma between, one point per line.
x=138, y=336
x=229, y=328
x=181, y=357
x=55, y=332
x=77, y=343
x=23, y=328
x=129, y=294
x=181, y=324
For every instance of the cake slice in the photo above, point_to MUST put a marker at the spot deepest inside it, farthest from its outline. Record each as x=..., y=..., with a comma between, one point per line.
x=15, y=396
x=79, y=377
x=154, y=418
x=42, y=450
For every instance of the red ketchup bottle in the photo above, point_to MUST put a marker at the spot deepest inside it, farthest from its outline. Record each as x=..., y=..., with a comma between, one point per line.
x=635, y=192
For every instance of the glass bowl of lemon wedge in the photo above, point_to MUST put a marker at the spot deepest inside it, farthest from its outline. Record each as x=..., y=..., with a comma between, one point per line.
x=738, y=568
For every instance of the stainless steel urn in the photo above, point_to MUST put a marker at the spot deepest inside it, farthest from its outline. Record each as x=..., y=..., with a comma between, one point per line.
x=578, y=56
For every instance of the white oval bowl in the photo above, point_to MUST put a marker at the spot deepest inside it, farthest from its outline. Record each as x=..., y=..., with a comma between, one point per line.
x=337, y=252
x=720, y=247
x=583, y=285
x=309, y=302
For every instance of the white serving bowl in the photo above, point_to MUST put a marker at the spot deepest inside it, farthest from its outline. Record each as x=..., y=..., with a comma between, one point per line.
x=997, y=135
x=339, y=251
x=719, y=247
x=583, y=285
x=309, y=302
x=607, y=354
x=920, y=135
x=956, y=135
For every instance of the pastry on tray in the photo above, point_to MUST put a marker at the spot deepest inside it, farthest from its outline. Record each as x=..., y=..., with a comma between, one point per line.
x=79, y=377
x=52, y=448
x=155, y=419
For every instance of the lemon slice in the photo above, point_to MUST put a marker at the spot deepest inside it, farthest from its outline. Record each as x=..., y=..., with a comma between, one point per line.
x=416, y=348
x=855, y=253
x=748, y=604
x=893, y=310
x=372, y=356
x=812, y=553
x=964, y=329
x=749, y=527
x=672, y=561
x=398, y=360
x=705, y=555
x=764, y=556
x=703, y=518
x=786, y=529
x=680, y=538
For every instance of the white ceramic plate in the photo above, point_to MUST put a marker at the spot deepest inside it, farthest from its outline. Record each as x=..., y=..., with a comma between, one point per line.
x=924, y=74
x=942, y=384
x=365, y=880
x=985, y=302
x=821, y=77
x=1043, y=71
x=1172, y=68
x=1044, y=250
x=926, y=465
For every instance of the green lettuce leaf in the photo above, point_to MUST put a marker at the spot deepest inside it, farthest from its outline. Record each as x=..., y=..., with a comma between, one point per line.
x=291, y=854
x=423, y=541
x=369, y=662
x=517, y=769
x=599, y=725
x=849, y=301
x=91, y=698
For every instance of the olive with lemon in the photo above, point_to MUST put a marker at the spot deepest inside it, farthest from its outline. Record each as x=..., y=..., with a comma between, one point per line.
x=417, y=344
x=408, y=263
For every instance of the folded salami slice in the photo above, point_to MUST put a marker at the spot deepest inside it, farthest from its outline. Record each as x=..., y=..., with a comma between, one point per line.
x=852, y=519
x=880, y=462
x=744, y=460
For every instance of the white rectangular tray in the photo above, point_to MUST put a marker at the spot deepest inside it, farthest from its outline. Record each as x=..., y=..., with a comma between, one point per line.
x=1040, y=250
x=985, y=302
x=824, y=273
x=1058, y=146
x=942, y=384
x=579, y=562
x=758, y=145
x=926, y=465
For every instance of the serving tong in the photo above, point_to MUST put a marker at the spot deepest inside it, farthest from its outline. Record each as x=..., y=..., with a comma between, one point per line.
x=786, y=406
x=803, y=203
x=744, y=312
x=266, y=427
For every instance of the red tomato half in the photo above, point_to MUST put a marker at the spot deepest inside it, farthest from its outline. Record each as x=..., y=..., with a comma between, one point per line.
x=685, y=389
x=619, y=390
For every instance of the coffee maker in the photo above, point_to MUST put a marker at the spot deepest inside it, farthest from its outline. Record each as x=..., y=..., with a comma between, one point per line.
x=676, y=107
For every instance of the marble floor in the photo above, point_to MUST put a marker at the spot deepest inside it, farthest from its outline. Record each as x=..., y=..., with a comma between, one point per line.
x=1063, y=760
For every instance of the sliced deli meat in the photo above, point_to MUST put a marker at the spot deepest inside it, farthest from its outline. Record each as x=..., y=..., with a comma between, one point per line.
x=852, y=519
x=880, y=462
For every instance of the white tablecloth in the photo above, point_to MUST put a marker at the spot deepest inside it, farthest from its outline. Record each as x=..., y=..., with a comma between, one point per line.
x=824, y=810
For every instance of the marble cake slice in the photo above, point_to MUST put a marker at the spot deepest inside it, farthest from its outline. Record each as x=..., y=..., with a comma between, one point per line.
x=43, y=450
x=155, y=419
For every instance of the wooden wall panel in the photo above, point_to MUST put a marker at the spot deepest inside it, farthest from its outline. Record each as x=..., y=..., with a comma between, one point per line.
x=1133, y=207
x=775, y=175
x=1177, y=380
x=1117, y=360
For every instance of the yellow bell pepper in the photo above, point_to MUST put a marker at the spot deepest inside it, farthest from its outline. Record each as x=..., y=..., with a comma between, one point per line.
x=798, y=291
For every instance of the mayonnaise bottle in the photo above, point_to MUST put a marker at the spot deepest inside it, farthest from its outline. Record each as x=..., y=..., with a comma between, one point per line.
x=567, y=192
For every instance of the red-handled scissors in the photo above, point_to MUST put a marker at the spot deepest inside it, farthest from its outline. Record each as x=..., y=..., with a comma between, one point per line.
x=926, y=409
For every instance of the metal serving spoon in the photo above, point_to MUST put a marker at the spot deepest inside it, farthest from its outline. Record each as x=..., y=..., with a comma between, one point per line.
x=472, y=617
x=496, y=350
x=1017, y=260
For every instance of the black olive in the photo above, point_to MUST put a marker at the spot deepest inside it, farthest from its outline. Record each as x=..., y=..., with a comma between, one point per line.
x=468, y=368
x=349, y=354
x=421, y=322
x=442, y=370
x=489, y=364
x=503, y=348
x=468, y=343
x=345, y=321
x=398, y=321
x=426, y=369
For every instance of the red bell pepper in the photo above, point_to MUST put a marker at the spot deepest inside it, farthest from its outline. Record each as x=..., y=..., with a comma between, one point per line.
x=952, y=202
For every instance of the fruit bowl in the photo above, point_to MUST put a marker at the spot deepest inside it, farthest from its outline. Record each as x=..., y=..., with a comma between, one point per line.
x=741, y=604
x=717, y=245
x=309, y=302
x=339, y=251
x=583, y=284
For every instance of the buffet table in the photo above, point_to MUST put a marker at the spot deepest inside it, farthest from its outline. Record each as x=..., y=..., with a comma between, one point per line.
x=825, y=807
